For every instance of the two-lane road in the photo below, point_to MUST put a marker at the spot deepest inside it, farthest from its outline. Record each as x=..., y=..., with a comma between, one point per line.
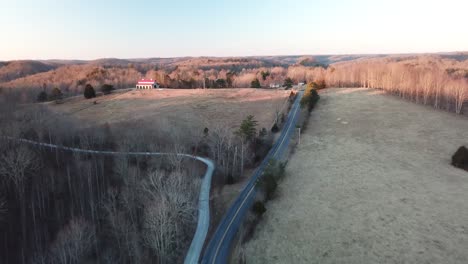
x=218, y=249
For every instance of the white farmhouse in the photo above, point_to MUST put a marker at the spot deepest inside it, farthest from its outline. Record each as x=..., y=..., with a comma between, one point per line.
x=147, y=84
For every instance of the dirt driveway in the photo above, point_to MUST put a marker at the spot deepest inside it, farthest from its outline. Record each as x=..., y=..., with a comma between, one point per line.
x=370, y=183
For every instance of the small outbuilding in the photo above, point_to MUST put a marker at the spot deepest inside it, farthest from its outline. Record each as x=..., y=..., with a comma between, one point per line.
x=147, y=84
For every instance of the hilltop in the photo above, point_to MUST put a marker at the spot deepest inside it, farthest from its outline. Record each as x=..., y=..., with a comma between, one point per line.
x=13, y=70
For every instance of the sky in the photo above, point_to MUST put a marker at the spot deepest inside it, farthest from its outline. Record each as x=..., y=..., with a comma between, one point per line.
x=91, y=29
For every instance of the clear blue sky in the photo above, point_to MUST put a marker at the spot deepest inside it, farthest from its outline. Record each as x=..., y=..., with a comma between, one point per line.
x=87, y=29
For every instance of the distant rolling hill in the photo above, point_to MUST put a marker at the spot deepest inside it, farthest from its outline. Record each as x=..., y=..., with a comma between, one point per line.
x=22, y=73
x=189, y=72
x=12, y=70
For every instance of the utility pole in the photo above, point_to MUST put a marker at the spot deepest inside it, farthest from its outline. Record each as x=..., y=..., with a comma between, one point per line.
x=299, y=135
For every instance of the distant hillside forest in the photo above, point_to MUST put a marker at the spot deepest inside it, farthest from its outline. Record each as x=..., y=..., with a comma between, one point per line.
x=437, y=79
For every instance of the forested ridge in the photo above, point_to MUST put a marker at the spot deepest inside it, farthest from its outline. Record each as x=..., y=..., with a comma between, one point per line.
x=436, y=79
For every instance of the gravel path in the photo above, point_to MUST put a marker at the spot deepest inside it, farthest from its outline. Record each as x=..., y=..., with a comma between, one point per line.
x=370, y=183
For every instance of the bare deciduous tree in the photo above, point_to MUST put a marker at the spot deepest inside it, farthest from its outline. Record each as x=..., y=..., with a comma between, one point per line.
x=16, y=163
x=2, y=207
x=170, y=213
x=73, y=243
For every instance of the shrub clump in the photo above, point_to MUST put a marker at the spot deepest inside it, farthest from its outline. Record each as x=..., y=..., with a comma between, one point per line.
x=259, y=208
x=107, y=88
x=460, y=158
x=269, y=180
x=310, y=97
x=56, y=95
x=42, y=96
x=255, y=83
x=275, y=128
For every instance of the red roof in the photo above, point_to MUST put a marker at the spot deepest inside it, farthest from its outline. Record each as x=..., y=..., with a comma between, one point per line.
x=146, y=81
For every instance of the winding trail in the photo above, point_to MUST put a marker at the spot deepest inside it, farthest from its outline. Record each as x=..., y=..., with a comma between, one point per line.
x=203, y=223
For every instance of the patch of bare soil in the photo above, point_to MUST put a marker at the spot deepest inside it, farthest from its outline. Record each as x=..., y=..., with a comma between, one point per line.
x=371, y=182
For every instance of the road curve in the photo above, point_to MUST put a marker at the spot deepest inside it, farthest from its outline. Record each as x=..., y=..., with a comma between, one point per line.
x=193, y=254
x=219, y=246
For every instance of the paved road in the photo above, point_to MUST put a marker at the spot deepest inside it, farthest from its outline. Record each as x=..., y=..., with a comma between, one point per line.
x=203, y=199
x=219, y=246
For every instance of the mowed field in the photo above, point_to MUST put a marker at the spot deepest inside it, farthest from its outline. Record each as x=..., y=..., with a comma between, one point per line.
x=371, y=182
x=188, y=110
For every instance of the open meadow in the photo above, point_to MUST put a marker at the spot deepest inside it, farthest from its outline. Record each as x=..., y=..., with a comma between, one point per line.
x=183, y=110
x=371, y=182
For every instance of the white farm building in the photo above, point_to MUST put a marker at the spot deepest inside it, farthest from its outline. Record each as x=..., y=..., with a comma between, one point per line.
x=147, y=84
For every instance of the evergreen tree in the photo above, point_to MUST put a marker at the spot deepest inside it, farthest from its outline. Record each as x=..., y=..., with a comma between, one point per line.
x=288, y=83
x=247, y=129
x=255, y=83
x=89, y=91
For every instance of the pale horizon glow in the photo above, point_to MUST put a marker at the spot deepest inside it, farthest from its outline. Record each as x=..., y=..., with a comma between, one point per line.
x=54, y=29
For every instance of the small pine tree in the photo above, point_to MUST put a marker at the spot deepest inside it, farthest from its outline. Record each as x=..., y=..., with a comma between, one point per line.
x=89, y=91
x=247, y=129
x=288, y=83
x=255, y=84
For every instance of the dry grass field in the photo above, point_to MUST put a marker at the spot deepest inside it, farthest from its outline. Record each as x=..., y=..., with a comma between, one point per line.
x=371, y=182
x=188, y=110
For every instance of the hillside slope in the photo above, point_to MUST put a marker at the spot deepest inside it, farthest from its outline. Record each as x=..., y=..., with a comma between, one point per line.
x=16, y=69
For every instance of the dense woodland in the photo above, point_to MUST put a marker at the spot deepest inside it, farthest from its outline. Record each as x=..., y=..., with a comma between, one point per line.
x=64, y=207
x=57, y=206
